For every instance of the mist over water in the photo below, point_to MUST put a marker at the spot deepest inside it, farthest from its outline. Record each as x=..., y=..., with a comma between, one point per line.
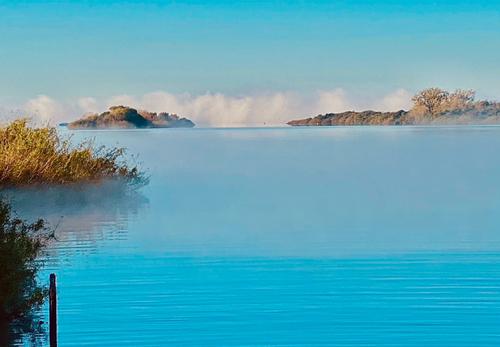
x=286, y=236
x=81, y=214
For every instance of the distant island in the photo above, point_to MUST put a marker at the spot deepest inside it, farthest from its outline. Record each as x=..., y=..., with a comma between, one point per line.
x=127, y=117
x=430, y=106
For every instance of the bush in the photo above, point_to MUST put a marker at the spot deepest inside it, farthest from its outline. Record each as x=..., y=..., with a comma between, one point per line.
x=39, y=155
x=21, y=245
x=433, y=101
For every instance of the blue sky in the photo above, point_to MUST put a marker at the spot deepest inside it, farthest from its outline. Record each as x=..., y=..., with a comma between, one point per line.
x=100, y=49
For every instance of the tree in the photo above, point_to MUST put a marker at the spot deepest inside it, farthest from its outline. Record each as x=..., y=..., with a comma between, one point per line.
x=21, y=245
x=460, y=99
x=431, y=100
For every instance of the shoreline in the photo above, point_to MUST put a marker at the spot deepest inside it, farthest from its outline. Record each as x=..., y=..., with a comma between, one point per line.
x=202, y=128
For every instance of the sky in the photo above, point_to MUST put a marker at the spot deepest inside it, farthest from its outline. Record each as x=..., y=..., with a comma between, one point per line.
x=245, y=62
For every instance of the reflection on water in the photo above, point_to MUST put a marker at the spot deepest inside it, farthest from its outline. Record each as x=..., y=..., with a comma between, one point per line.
x=30, y=330
x=82, y=215
x=291, y=237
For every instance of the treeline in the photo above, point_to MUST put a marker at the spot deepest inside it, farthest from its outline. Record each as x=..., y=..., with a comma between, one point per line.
x=430, y=106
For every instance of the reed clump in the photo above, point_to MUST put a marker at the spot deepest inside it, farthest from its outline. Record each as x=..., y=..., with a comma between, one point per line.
x=40, y=155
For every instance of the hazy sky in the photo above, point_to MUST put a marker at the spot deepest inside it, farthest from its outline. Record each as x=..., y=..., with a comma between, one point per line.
x=84, y=54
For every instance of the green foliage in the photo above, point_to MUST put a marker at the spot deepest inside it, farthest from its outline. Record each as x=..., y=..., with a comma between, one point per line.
x=127, y=117
x=21, y=245
x=39, y=155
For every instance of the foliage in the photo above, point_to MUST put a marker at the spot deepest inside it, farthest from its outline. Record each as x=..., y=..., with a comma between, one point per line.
x=430, y=106
x=21, y=244
x=433, y=101
x=127, y=117
x=430, y=100
x=354, y=118
x=459, y=99
x=39, y=155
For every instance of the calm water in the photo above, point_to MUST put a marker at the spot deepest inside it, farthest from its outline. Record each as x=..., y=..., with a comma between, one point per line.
x=284, y=237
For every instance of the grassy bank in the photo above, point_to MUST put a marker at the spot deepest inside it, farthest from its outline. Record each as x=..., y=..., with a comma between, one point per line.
x=31, y=156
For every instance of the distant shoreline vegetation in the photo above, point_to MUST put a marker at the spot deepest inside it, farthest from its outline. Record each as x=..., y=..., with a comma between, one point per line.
x=431, y=106
x=124, y=117
x=36, y=156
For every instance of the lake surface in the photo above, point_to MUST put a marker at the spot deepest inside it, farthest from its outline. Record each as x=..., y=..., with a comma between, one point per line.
x=363, y=236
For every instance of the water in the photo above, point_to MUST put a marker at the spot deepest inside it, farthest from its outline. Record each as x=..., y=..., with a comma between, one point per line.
x=366, y=236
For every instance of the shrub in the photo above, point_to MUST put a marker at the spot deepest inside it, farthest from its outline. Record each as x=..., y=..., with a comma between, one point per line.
x=39, y=155
x=433, y=101
x=430, y=101
x=21, y=245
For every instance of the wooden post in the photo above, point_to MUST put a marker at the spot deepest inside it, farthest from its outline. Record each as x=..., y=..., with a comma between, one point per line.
x=53, y=311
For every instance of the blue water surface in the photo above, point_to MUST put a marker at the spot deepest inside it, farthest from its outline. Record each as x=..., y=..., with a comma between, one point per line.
x=347, y=236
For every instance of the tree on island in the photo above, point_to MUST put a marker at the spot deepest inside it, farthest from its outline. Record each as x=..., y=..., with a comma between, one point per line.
x=432, y=101
x=430, y=106
x=460, y=99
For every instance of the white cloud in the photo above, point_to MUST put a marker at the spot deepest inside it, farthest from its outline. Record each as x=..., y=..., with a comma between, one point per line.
x=217, y=109
x=332, y=101
x=126, y=100
x=395, y=101
x=45, y=109
x=88, y=104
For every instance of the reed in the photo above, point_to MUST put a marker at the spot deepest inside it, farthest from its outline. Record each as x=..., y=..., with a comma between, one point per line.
x=40, y=155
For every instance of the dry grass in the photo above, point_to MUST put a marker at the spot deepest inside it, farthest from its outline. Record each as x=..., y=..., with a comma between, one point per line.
x=40, y=156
